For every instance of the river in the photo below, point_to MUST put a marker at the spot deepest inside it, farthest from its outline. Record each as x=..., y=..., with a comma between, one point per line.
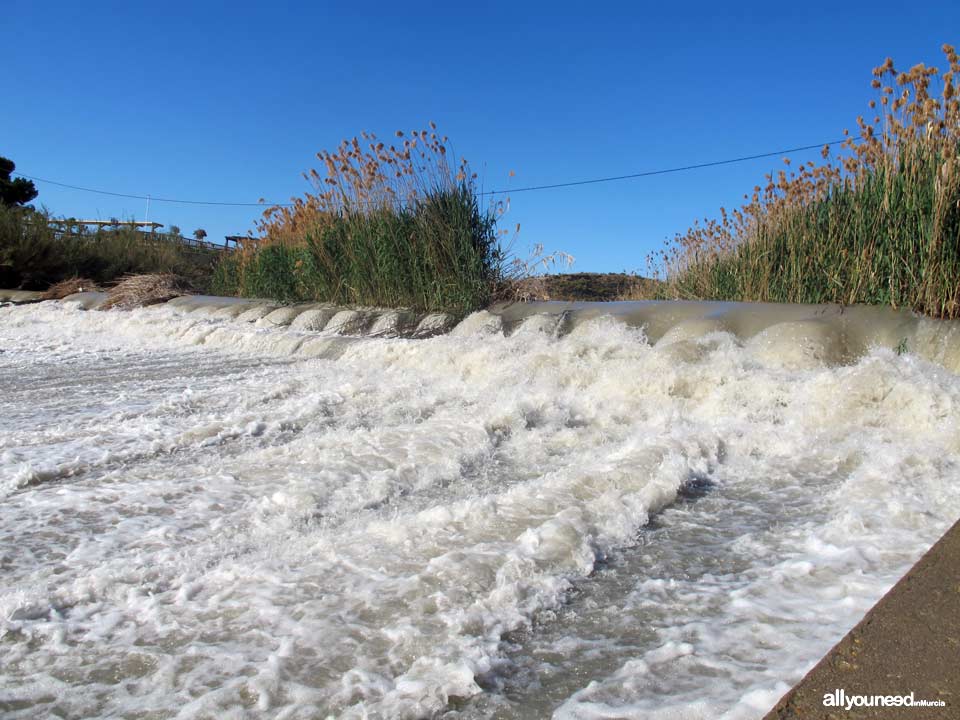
x=200, y=518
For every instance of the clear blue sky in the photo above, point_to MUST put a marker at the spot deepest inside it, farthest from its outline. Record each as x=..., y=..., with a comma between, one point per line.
x=230, y=101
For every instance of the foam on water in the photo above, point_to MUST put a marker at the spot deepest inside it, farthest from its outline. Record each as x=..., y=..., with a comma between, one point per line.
x=206, y=518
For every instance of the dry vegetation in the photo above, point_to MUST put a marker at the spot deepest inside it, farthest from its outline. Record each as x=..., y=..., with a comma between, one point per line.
x=60, y=290
x=877, y=223
x=136, y=291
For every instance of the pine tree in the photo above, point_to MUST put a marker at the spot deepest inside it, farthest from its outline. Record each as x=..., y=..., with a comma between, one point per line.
x=17, y=191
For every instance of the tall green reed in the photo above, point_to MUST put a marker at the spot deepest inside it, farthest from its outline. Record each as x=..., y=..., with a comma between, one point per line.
x=395, y=225
x=878, y=223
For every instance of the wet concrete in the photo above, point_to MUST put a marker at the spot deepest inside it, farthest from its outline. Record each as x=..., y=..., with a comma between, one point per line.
x=828, y=334
x=790, y=335
x=18, y=297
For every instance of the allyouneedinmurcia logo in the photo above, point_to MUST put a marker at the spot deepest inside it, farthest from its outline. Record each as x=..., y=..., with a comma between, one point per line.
x=839, y=698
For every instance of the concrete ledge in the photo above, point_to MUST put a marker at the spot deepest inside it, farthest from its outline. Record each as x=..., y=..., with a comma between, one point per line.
x=783, y=335
x=909, y=642
x=818, y=333
x=18, y=297
x=87, y=300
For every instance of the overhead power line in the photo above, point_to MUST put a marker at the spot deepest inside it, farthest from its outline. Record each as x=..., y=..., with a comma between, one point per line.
x=151, y=198
x=592, y=181
x=649, y=173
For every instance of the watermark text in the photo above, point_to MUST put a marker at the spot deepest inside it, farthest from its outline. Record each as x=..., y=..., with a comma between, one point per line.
x=839, y=699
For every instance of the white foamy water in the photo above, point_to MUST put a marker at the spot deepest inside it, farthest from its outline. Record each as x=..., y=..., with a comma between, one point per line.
x=202, y=518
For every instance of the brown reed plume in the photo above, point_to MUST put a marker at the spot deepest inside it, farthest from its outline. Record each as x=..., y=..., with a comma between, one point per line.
x=368, y=178
x=877, y=222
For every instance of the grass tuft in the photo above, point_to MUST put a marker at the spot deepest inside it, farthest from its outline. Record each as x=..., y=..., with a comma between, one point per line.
x=395, y=226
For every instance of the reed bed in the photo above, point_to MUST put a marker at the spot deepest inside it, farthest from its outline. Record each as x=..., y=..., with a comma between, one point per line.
x=399, y=225
x=34, y=256
x=877, y=222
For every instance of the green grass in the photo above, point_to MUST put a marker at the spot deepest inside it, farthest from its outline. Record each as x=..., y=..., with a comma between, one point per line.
x=33, y=256
x=387, y=225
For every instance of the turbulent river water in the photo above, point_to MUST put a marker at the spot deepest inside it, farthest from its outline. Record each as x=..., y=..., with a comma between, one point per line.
x=197, y=519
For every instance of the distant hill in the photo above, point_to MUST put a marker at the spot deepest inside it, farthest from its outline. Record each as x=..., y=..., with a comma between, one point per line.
x=598, y=287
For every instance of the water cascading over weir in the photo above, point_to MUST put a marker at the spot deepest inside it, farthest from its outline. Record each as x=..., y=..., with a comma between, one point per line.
x=233, y=507
x=791, y=335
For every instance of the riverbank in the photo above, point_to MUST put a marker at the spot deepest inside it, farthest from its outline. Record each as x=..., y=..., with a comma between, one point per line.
x=908, y=644
x=38, y=251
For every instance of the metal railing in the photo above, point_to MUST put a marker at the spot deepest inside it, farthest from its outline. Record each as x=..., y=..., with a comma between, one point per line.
x=76, y=230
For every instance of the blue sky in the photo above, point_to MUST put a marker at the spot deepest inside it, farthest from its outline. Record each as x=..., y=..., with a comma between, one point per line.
x=230, y=101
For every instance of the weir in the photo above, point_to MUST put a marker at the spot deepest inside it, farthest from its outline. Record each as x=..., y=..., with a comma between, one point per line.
x=795, y=334
x=18, y=296
x=790, y=335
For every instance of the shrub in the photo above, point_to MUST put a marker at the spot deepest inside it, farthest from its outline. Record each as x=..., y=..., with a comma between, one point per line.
x=34, y=255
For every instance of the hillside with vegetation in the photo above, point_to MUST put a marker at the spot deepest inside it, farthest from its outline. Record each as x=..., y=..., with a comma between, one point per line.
x=36, y=253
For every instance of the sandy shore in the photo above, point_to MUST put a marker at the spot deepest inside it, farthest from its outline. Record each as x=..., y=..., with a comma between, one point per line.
x=909, y=642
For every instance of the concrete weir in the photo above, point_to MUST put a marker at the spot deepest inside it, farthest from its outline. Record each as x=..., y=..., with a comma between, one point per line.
x=790, y=336
x=321, y=318
x=19, y=297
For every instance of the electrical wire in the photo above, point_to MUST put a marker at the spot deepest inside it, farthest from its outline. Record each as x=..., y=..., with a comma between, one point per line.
x=592, y=181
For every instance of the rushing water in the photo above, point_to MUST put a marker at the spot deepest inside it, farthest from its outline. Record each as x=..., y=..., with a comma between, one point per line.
x=204, y=518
